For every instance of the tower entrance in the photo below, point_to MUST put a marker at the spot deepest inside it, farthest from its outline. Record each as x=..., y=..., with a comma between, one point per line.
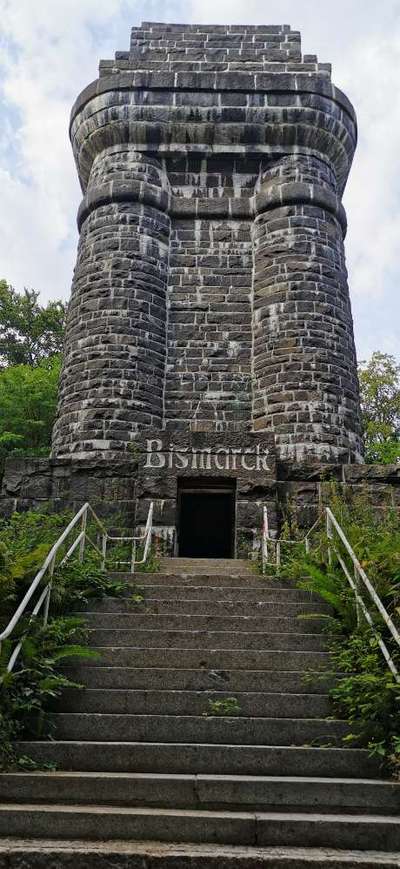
x=206, y=518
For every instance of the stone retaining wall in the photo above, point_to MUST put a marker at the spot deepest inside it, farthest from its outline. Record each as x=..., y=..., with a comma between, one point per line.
x=121, y=492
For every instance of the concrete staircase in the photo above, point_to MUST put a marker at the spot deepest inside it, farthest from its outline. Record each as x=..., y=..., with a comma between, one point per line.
x=146, y=772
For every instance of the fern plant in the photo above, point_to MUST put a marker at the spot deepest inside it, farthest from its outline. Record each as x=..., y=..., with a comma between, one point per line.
x=26, y=692
x=37, y=681
x=364, y=690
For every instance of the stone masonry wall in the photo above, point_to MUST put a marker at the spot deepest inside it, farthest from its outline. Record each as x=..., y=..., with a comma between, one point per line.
x=210, y=291
x=113, y=374
x=121, y=492
x=303, y=488
x=306, y=388
x=208, y=376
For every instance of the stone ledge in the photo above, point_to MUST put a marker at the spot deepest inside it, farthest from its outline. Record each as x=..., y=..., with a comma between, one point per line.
x=357, y=473
x=300, y=193
x=278, y=196
x=114, y=191
x=225, y=81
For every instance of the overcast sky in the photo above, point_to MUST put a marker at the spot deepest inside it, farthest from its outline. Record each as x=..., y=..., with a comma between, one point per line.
x=49, y=51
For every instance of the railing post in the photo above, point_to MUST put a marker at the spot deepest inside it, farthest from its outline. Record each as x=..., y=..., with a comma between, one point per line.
x=307, y=543
x=103, y=551
x=264, y=547
x=278, y=553
x=357, y=585
x=133, y=560
x=46, y=607
x=83, y=532
x=47, y=602
x=329, y=535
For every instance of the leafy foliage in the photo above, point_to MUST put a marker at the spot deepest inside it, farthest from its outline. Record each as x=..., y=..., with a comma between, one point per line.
x=380, y=404
x=152, y=563
x=226, y=707
x=25, y=694
x=119, y=557
x=75, y=584
x=29, y=332
x=25, y=540
x=31, y=338
x=28, y=401
x=365, y=692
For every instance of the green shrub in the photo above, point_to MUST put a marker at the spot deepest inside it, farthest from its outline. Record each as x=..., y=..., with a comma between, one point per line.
x=365, y=692
x=37, y=679
x=25, y=540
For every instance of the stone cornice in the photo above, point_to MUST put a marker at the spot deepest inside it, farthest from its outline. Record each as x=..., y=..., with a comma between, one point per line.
x=215, y=81
x=276, y=196
x=300, y=193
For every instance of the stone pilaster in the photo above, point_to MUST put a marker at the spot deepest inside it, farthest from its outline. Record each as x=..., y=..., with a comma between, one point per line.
x=114, y=364
x=304, y=375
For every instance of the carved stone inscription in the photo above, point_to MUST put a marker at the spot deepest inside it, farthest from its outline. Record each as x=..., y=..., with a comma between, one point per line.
x=246, y=458
x=206, y=458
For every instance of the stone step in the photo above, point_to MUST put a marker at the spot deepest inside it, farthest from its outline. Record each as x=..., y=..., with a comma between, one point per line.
x=221, y=659
x=206, y=639
x=278, y=594
x=193, y=758
x=43, y=853
x=204, y=565
x=217, y=608
x=166, y=702
x=180, y=622
x=201, y=679
x=250, y=580
x=201, y=791
x=182, y=825
x=102, y=727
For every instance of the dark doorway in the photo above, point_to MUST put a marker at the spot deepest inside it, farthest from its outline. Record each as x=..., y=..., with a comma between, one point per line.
x=206, y=526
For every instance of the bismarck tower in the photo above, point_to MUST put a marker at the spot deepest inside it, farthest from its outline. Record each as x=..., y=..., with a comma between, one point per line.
x=209, y=361
x=210, y=292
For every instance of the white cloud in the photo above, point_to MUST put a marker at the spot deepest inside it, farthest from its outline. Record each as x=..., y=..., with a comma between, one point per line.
x=49, y=55
x=362, y=40
x=51, y=50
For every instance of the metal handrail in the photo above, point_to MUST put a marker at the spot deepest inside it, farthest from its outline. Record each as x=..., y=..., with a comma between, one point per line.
x=50, y=562
x=146, y=536
x=359, y=574
x=277, y=542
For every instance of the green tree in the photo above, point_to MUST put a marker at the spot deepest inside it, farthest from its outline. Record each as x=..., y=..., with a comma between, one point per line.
x=380, y=408
x=28, y=400
x=29, y=332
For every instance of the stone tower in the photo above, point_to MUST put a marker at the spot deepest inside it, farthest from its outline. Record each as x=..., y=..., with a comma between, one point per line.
x=210, y=293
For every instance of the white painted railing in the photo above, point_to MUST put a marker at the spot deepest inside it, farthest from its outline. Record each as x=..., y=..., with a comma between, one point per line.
x=276, y=543
x=356, y=581
x=79, y=521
